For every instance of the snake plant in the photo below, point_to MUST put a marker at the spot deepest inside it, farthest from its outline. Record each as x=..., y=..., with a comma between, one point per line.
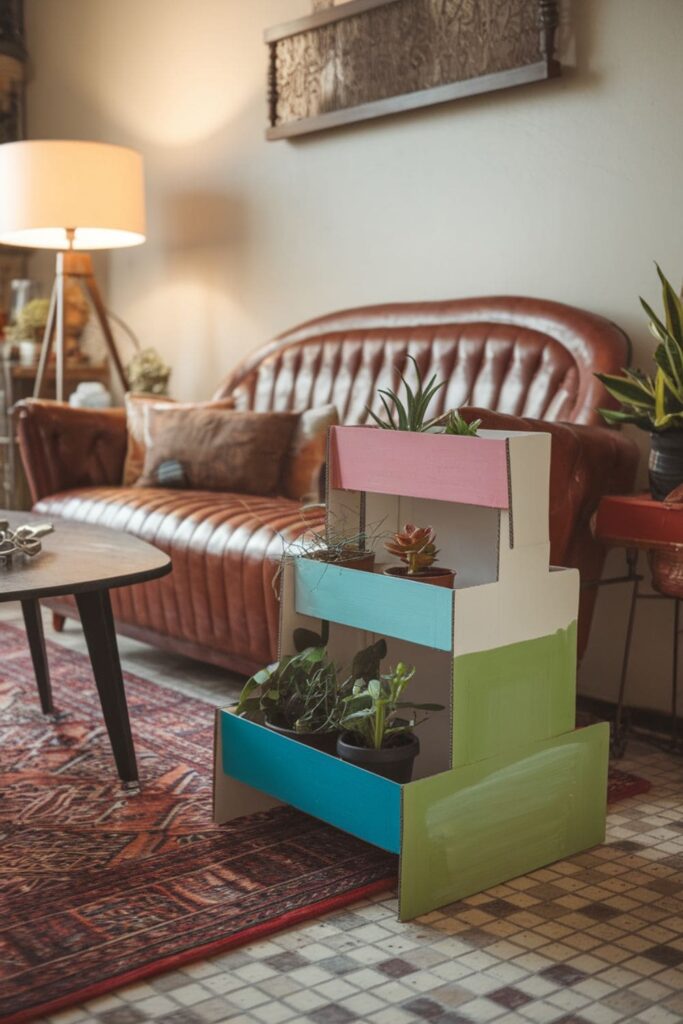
x=653, y=403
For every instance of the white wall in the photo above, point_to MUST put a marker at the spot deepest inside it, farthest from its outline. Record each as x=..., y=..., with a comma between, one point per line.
x=566, y=190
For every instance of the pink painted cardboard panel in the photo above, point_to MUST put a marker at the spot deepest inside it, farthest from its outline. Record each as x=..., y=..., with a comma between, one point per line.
x=469, y=470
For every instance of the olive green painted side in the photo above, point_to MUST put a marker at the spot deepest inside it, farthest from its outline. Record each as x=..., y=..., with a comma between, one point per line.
x=511, y=696
x=474, y=827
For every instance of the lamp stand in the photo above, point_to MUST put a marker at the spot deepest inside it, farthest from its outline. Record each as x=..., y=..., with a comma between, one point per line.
x=79, y=266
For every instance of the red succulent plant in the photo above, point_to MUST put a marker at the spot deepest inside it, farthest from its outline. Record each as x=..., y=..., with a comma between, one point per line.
x=415, y=546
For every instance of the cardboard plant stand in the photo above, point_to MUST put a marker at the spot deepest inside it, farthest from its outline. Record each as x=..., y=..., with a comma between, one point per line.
x=504, y=783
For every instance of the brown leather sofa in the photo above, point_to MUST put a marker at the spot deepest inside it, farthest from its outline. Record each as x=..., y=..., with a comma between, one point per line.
x=527, y=363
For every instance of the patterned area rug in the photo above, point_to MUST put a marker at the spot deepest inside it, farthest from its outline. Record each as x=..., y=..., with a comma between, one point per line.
x=98, y=888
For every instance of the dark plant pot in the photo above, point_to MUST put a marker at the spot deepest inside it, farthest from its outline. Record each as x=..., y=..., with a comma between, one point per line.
x=666, y=463
x=394, y=763
x=363, y=560
x=325, y=741
x=437, y=576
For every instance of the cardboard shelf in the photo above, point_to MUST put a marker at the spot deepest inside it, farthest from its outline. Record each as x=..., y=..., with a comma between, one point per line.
x=404, y=609
x=352, y=799
x=469, y=470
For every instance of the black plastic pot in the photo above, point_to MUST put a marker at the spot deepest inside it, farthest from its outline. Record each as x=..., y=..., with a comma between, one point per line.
x=394, y=763
x=666, y=463
x=325, y=741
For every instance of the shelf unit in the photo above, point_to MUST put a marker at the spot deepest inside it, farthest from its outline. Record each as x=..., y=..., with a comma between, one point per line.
x=504, y=782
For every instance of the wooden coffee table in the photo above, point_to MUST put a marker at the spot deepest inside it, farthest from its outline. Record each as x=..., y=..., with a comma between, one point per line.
x=86, y=561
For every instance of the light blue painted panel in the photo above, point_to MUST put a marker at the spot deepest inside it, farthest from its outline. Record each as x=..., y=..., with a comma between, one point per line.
x=418, y=612
x=359, y=802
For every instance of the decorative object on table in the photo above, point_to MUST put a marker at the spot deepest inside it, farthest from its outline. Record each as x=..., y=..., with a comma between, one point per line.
x=412, y=414
x=147, y=373
x=90, y=394
x=13, y=60
x=28, y=324
x=22, y=540
x=416, y=547
x=76, y=317
x=656, y=403
x=377, y=736
x=504, y=783
x=355, y=61
x=22, y=290
x=71, y=196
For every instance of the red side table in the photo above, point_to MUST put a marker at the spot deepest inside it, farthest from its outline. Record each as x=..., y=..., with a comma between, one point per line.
x=637, y=523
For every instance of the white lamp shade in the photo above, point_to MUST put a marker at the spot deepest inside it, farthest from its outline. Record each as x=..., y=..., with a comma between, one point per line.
x=50, y=187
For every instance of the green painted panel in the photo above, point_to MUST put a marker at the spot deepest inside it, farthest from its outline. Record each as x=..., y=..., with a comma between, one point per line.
x=511, y=696
x=474, y=827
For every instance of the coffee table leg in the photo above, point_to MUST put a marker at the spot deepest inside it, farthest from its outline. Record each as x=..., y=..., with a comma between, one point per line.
x=98, y=626
x=36, y=642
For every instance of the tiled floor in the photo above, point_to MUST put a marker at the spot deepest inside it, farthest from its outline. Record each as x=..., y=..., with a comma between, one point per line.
x=597, y=938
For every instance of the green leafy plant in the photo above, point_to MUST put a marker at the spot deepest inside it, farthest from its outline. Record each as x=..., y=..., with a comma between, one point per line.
x=415, y=546
x=408, y=415
x=455, y=424
x=299, y=692
x=373, y=710
x=653, y=403
x=302, y=691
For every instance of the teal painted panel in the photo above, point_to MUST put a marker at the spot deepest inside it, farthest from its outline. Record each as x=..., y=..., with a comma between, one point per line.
x=470, y=828
x=418, y=612
x=359, y=802
x=510, y=696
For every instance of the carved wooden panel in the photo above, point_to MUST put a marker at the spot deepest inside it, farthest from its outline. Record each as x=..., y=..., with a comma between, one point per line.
x=365, y=58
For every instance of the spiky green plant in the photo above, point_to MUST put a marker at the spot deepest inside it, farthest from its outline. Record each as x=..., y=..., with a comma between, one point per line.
x=411, y=414
x=653, y=403
x=455, y=424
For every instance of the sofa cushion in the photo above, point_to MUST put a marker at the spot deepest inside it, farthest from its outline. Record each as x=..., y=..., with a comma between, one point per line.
x=137, y=406
x=225, y=550
x=217, y=449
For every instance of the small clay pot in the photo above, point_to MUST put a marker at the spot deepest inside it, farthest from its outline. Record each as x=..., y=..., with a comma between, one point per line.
x=325, y=741
x=363, y=560
x=394, y=763
x=435, y=575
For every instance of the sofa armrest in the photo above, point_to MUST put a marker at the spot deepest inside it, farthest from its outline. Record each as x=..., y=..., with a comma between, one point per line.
x=62, y=448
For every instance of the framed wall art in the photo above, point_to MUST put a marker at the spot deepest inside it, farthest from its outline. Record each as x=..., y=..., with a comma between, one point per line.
x=363, y=59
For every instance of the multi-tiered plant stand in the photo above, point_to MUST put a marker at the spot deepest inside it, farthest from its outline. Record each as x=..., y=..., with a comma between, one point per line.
x=504, y=782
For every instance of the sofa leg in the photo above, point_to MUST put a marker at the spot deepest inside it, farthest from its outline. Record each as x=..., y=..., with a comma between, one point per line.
x=58, y=622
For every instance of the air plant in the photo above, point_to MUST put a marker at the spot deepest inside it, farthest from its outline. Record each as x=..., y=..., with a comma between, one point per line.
x=411, y=414
x=415, y=546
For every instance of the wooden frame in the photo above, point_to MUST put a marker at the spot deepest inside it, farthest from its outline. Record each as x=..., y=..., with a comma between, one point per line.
x=367, y=58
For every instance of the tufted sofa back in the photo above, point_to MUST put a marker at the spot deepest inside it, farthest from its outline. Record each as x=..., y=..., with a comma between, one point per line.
x=525, y=357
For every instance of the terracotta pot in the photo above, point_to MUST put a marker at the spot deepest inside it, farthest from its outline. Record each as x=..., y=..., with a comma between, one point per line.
x=666, y=463
x=435, y=575
x=363, y=560
x=391, y=762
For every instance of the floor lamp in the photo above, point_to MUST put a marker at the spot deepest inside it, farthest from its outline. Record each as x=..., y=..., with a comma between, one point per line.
x=71, y=196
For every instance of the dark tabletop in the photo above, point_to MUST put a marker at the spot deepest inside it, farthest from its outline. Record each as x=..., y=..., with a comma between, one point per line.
x=77, y=558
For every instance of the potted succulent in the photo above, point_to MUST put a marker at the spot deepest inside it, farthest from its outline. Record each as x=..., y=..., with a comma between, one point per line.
x=416, y=547
x=655, y=403
x=376, y=736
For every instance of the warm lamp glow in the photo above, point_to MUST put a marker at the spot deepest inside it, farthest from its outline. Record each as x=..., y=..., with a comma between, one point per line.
x=49, y=189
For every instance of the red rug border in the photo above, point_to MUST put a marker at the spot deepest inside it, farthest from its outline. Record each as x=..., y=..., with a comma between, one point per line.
x=242, y=938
